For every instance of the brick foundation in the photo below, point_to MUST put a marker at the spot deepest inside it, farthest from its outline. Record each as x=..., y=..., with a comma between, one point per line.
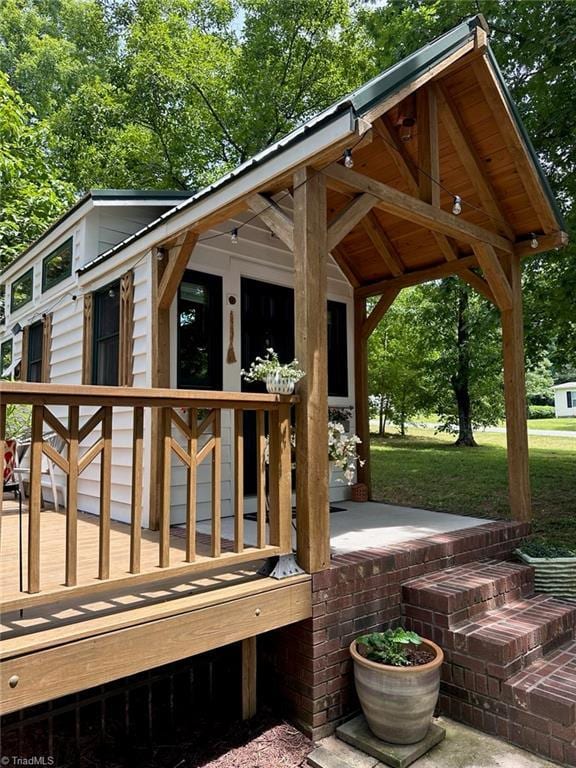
x=361, y=592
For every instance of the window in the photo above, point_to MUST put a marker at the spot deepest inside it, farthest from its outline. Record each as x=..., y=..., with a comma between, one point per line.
x=35, y=344
x=5, y=355
x=57, y=266
x=200, y=331
x=106, y=338
x=571, y=399
x=22, y=289
x=337, y=350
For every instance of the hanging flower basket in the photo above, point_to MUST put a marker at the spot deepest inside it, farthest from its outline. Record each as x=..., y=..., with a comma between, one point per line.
x=280, y=378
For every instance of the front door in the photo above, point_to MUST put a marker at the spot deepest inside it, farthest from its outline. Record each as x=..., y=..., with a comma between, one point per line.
x=267, y=321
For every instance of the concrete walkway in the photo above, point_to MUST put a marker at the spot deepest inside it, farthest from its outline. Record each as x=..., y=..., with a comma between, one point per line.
x=463, y=747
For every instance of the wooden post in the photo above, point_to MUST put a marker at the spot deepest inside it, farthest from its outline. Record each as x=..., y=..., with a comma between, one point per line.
x=310, y=256
x=249, y=668
x=515, y=395
x=160, y=345
x=361, y=391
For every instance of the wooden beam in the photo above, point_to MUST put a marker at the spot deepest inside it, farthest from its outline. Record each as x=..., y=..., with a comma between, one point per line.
x=417, y=277
x=554, y=241
x=383, y=244
x=277, y=220
x=495, y=275
x=506, y=123
x=339, y=256
x=361, y=391
x=407, y=207
x=310, y=284
x=427, y=75
x=515, y=395
x=75, y=666
x=175, y=269
x=378, y=312
x=428, y=147
x=402, y=160
x=345, y=221
x=249, y=677
x=468, y=157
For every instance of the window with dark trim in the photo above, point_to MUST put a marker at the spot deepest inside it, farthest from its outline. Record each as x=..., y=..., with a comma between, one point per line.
x=22, y=290
x=200, y=331
x=106, y=337
x=570, y=399
x=5, y=355
x=35, y=344
x=337, y=350
x=57, y=266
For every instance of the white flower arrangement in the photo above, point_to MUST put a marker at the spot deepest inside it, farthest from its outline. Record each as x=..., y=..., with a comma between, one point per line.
x=342, y=450
x=262, y=367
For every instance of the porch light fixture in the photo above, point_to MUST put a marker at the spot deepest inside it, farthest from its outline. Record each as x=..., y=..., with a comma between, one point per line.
x=111, y=293
x=406, y=129
x=16, y=329
x=234, y=236
x=348, y=159
x=457, y=206
x=533, y=241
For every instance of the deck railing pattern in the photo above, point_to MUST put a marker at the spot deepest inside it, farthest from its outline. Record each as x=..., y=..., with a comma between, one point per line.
x=191, y=430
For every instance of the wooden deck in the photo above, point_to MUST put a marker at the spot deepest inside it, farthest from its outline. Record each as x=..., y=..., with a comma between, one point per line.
x=67, y=639
x=53, y=555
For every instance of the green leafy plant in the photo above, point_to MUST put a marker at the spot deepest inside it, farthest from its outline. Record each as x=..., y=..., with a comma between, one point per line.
x=541, y=547
x=262, y=367
x=18, y=421
x=389, y=647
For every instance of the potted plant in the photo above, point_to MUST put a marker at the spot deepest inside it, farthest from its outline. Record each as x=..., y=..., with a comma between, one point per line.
x=342, y=450
x=279, y=378
x=554, y=566
x=397, y=676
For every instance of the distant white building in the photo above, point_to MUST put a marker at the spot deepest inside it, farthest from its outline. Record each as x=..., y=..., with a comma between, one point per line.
x=565, y=399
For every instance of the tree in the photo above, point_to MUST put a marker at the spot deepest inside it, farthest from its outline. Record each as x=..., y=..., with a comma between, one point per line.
x=31, y=194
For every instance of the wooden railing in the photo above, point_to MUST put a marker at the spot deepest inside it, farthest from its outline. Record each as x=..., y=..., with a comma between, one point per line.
x=190, y=429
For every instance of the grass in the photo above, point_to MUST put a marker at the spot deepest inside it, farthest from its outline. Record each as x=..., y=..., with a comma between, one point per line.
x=565, y=425
x=427, y=470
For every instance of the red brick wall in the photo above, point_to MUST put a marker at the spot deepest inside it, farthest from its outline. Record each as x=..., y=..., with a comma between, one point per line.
x=308, y=663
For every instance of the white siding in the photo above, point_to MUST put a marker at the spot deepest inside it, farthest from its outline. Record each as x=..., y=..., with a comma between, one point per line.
x=561, y=402
x=116, y=224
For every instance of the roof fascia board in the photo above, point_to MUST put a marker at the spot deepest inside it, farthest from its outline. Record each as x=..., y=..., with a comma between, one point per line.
x=532, y=156
x=139, y=202
x=210, y=200
x=46, y=241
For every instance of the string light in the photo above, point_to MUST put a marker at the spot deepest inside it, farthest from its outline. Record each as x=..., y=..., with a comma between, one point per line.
x=348, y=159
x=533, y=241
x=457, y=206
x=234, y=236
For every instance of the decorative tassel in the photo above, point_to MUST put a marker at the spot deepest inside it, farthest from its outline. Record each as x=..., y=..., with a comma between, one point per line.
x=231, y=355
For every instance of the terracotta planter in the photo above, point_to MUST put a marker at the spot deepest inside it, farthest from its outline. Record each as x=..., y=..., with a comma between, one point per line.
x=554, y=575
x=398, y=702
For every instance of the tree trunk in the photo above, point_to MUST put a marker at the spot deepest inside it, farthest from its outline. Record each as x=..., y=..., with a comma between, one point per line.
x=461, y=379
x=382, y=423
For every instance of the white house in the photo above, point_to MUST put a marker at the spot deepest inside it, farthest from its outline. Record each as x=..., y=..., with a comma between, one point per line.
x=565, y=399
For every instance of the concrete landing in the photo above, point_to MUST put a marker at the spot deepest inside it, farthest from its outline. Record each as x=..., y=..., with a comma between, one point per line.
x=463, y=747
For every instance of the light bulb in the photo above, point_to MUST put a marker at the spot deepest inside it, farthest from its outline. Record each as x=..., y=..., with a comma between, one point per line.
x=348, y=159
x=234, y=236
x=457, y=207
x=534, y=241
x=406, y=129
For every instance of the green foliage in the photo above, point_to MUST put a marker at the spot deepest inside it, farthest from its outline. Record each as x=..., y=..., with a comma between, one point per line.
x=537, y=546
x=541, y=412
x=539, y=382
x=389, y=647
x=31, y=194
x=18, y=421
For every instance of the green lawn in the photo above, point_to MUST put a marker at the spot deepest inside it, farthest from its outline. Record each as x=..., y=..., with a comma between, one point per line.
x=566, y=425
x=426, y=470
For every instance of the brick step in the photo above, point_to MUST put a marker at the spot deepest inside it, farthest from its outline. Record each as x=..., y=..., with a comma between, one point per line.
x=547, y=687
x=510, y=638
x=466, y=592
